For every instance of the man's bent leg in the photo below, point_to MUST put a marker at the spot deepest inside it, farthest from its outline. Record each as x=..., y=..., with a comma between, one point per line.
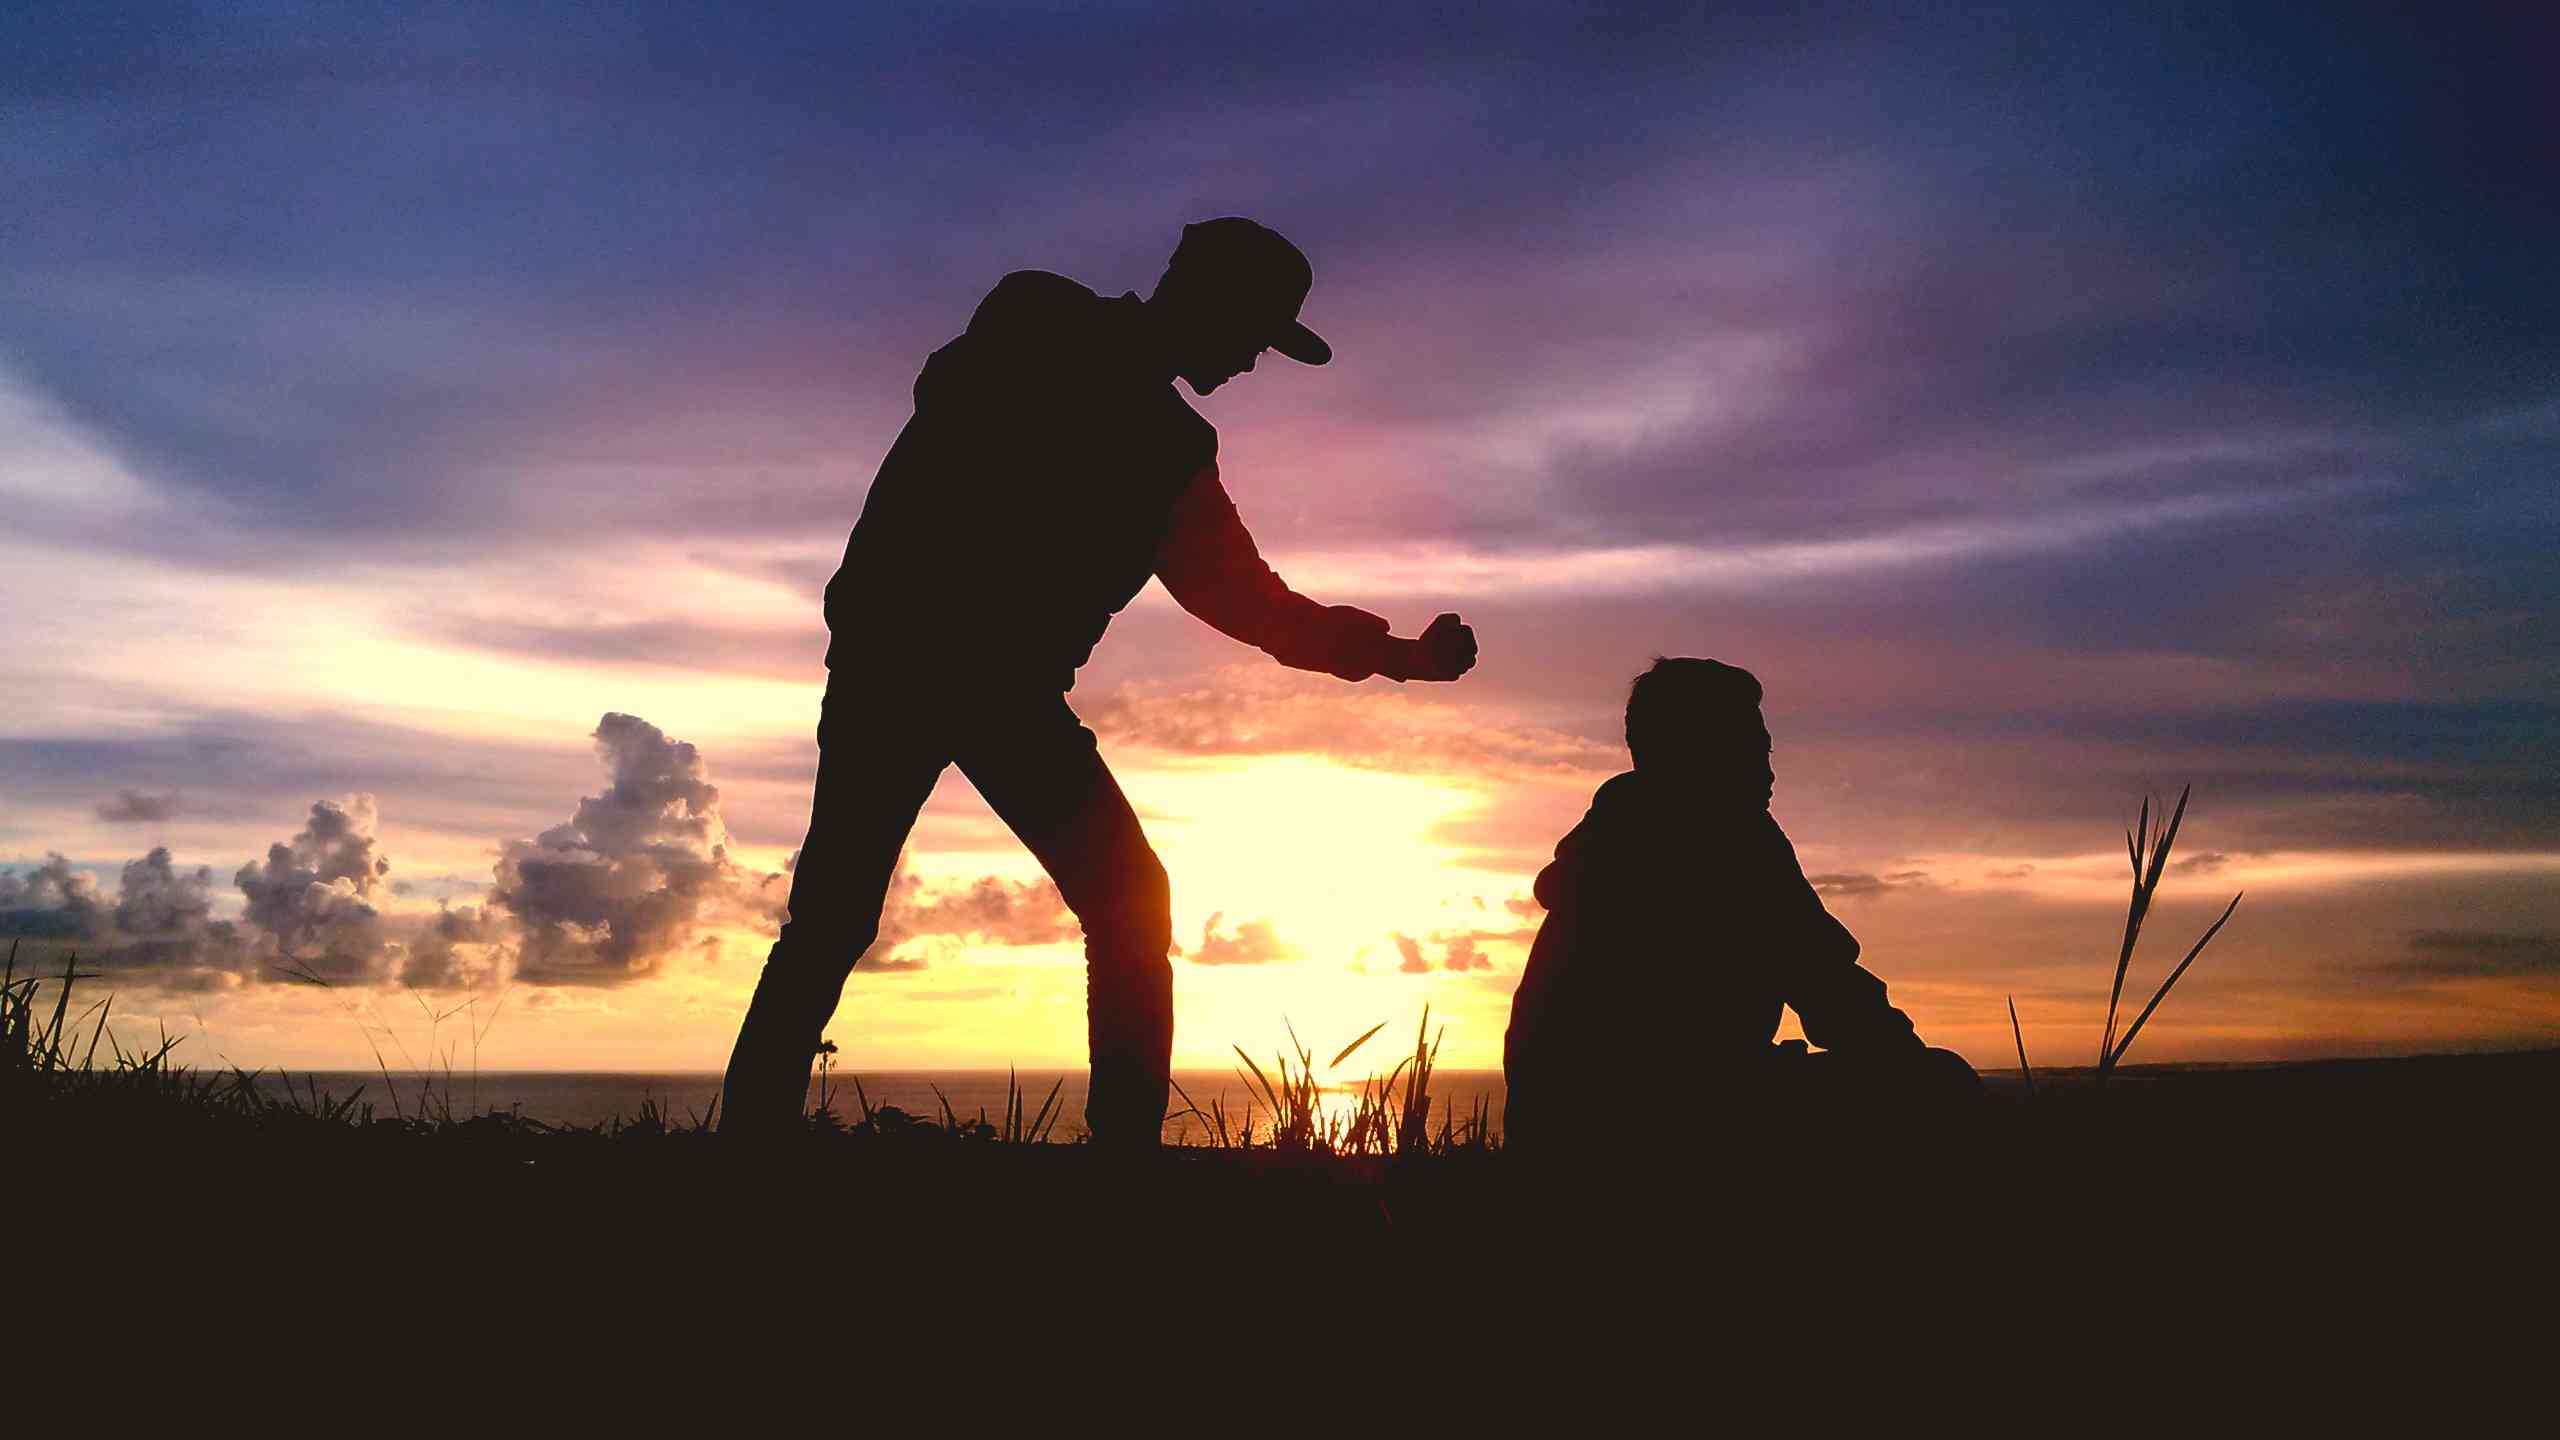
x=874, y=772
x=1037, y=767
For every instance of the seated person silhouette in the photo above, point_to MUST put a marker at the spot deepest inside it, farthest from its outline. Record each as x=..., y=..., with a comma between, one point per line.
x=1678, y=924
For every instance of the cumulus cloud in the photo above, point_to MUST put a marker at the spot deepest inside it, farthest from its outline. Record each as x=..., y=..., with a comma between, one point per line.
x=314, y=908
x=1461, y=951
x=1463, y=954
x=462, y=948
x=1254, y=942
x=990, y=910
x=311, y=909
x=640, y=873
x=130, y=806
x=315, y=895
x=52, y=902
x=635, y=876
x=153, y=898
x=157, y=932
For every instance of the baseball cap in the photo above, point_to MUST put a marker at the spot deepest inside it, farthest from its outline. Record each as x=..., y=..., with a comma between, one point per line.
x=1254, y=267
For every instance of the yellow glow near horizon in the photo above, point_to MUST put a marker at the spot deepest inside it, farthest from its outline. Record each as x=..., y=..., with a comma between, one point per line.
x=1336, y=859
x=1333, y=855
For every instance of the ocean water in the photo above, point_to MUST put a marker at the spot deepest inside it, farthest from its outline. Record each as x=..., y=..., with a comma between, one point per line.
x=596, y=1097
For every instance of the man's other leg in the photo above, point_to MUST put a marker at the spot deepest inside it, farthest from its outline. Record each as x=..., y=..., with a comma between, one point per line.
x=876, y=766
x=1037, y=767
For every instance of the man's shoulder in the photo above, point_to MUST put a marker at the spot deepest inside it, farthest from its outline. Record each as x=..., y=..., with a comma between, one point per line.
x=1088, y=340
x=1028, y=298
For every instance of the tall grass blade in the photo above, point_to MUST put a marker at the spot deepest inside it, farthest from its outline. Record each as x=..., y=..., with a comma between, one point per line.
x=2168, y=838
x=1190, y=1107
x=1047, y=1117
x=2021, y=1037
x=1270, y=1096
x=1356, y=1044
x=2163, y=992
x=92, y=1053
x=2124, y=958
x=2150, y=858
x=61, y=1005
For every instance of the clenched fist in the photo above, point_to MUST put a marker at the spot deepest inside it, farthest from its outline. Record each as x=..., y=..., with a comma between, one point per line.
x=1446, y=650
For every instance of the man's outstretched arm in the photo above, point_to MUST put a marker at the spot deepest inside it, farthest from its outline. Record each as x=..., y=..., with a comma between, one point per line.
x=1214, y=570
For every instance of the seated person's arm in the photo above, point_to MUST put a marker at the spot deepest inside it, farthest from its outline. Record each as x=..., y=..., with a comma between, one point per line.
x=1213, y=569
x=1842, y=1005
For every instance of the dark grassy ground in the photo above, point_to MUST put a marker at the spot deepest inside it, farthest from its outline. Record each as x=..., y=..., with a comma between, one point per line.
x=2414, y=1154
x=2400, y=1187
x=2184, y=1237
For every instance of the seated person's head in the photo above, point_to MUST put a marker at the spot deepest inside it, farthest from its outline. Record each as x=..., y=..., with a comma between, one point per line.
x=1698, y=722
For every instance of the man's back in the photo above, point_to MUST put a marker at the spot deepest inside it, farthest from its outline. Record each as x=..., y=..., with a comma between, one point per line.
x=1024, y=503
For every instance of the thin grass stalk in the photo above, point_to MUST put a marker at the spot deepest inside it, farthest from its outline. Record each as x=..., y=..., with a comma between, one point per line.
x=2151, y=859
x=1191, y=1108
x=2136, y=841
x=1245, y=1081
x=1048, y=1116
x=1356, y=1044
x=1414, y=1128
x=61, y=1006
x=12, y=1017
x=1269, y=1095
x=2163, y=992
x=2020, y=1036
x=105, y=1009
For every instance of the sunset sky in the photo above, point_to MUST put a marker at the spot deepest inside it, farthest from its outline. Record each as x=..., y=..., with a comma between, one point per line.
x=418, y=427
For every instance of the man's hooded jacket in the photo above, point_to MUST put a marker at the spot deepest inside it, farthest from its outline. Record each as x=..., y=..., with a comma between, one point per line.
x=1050, y=468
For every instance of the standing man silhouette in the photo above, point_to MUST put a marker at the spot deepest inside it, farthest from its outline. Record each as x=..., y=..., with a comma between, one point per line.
x=1049, y=469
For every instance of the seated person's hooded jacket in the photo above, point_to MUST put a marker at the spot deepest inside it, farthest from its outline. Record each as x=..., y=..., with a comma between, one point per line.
x=1678, y=924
